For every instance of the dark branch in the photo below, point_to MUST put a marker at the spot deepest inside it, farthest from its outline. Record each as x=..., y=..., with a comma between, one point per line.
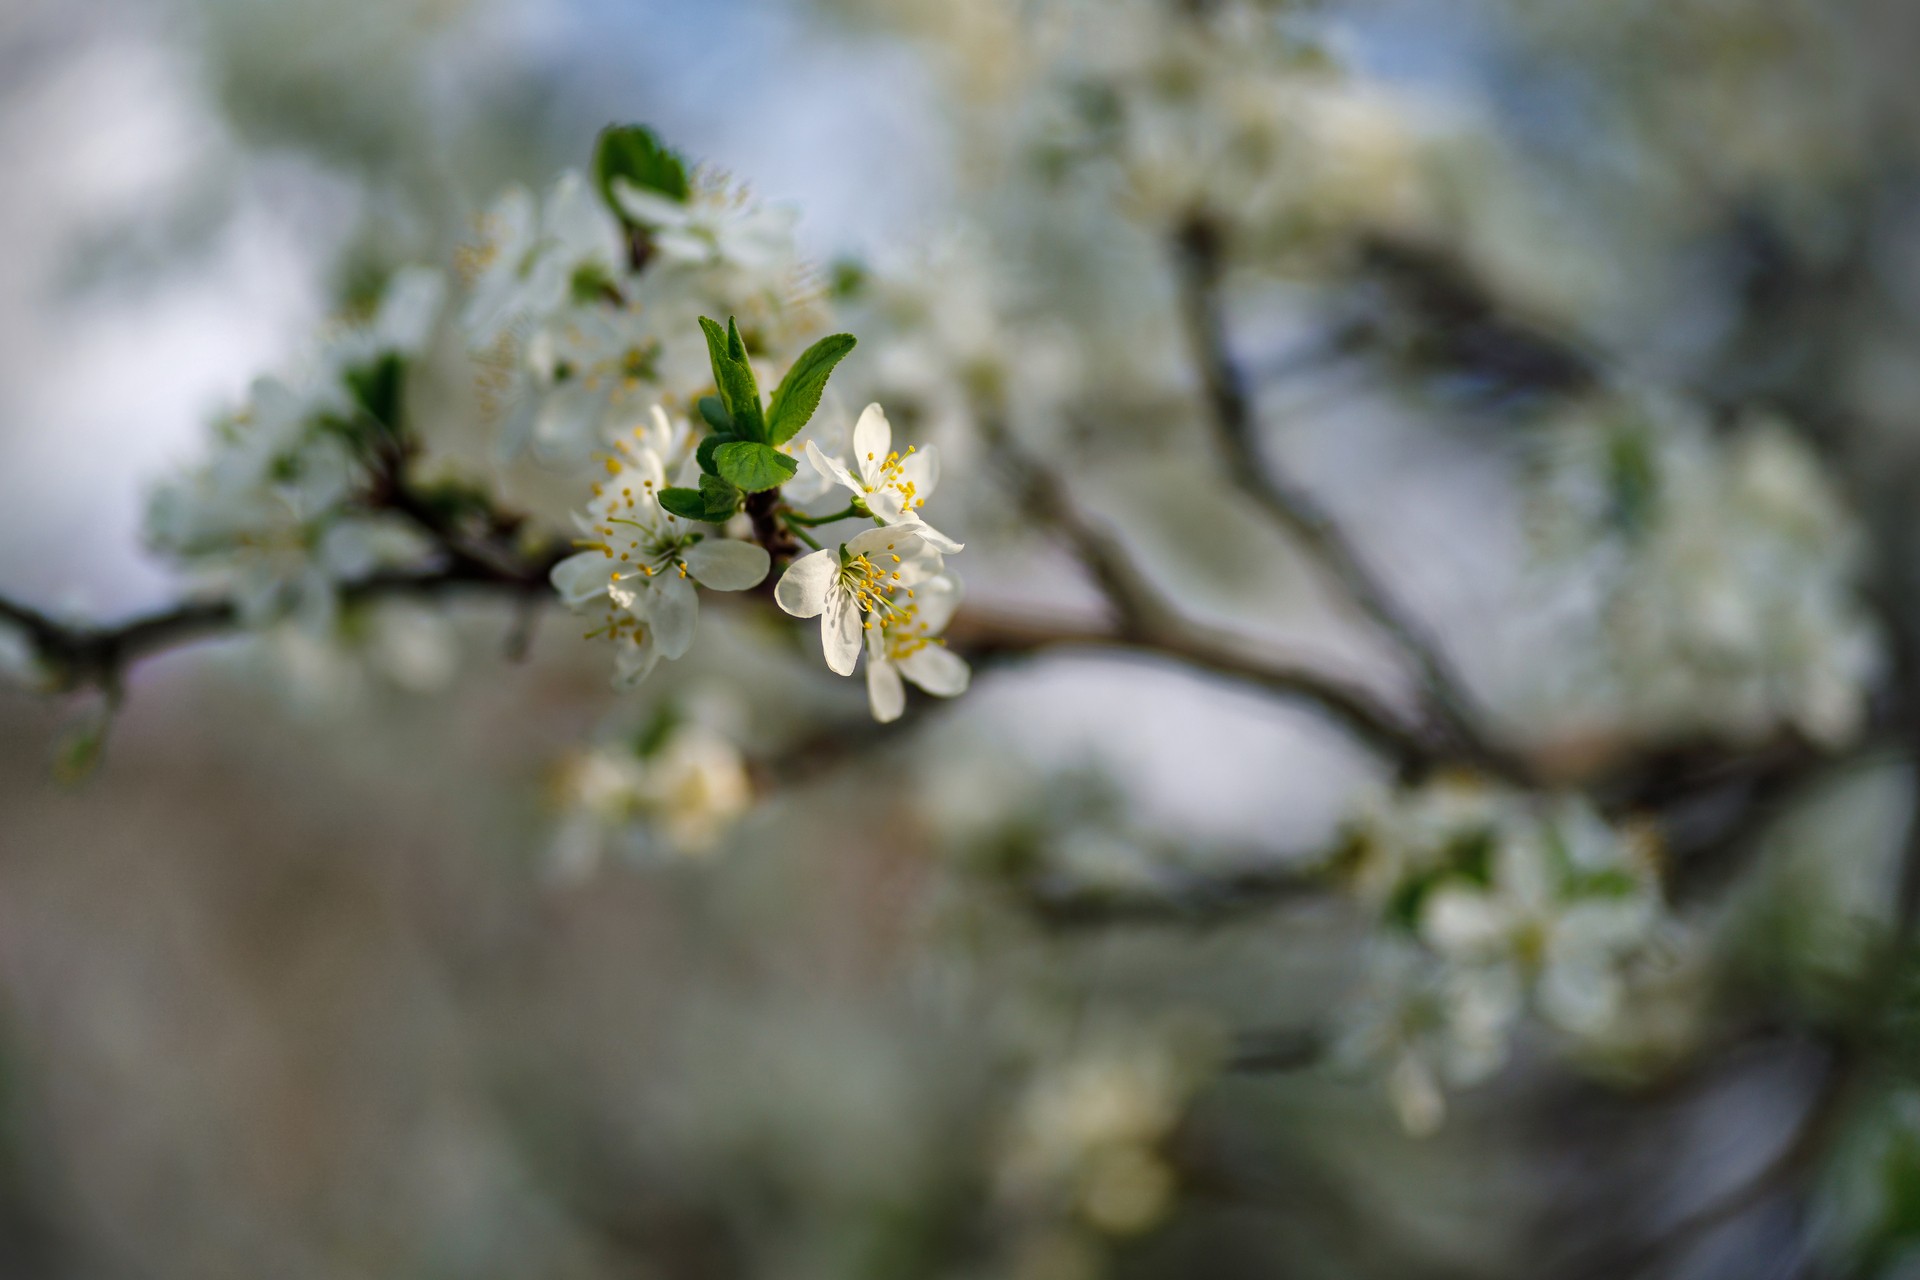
x=1199, y=260
x=1146, y=621
x=1175, y=897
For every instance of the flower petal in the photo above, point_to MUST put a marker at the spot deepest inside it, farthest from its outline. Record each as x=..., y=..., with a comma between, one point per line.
x=635, y=659
x=840, y=633
x=672, y=613
x=648, y=207
x=938, y=670
x=1459, y=922
x=568, y=424
x=885, y=694
x=921, y=469
x=931, y=536
x=802, y=590
x=885, y=542
x=886, y=503
x=641, y=466
x=831, y=468
x=579, y=226
x=726, y=564
x=934, y=602
x=1580, y=997
x=580, y=578
x=872, y=439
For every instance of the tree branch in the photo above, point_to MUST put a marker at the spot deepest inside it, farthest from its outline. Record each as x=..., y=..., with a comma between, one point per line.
x=1145, y=621
x=1175, y=897
x=80, y=655
x=1199, y=266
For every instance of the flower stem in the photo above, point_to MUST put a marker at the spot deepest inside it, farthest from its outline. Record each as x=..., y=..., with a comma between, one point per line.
x=796, y=518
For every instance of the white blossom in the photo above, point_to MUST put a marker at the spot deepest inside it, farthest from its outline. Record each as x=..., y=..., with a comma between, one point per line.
x=643, y=562
x=590, y=372
x=860, y=584
x=1427, y=1028
x=1086, y=1131
x=907, y=644
x=1730, y=573
x=1490, y=902
x=677, y=799
x=529, y=258
x=1535, y=921
x=893, y=486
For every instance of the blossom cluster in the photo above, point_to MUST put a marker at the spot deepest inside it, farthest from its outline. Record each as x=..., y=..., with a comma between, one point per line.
x=648, y=542
x=1730, y=572
x=1489, y=903
x=887, y=588
x=582, y=306
x=1236, y=112
x=281, y=511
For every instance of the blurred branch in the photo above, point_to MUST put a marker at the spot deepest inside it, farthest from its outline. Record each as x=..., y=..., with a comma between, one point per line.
x=1199, y=262
x=1147, y=622
x=81, y=655
x=1799, y=1155
x=1432, y=314
x=1175, y=897
x=987, y=638
x=1278, y=1052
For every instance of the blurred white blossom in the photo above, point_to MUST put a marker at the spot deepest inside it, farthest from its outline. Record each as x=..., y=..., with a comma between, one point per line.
x=1730, y=572
x=674, y=794
x=1489, y=902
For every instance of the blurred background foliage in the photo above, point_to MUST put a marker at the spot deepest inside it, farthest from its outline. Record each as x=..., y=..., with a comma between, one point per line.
x=290, y=986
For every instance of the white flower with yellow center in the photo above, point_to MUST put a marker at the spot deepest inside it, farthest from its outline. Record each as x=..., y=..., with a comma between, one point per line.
x=862, y=583
x=893, y=486
x=643, y=562
x=907, y=644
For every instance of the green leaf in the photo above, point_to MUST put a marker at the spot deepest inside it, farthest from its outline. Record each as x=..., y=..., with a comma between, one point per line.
x=714, y=410
x=590, y=285
x=722, y=498
x=733, y=377
x=798, y=394
x=688, y=504
x=377, y=389
x=654, y=734
x=714, y=501
x=754, y=466
x=635, y=153
x=704, y=454
x=79, y=749
x=846, y=278
x=717, y=357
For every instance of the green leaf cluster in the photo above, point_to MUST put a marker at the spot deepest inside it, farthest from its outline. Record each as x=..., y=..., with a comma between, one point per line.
x=740, y=453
